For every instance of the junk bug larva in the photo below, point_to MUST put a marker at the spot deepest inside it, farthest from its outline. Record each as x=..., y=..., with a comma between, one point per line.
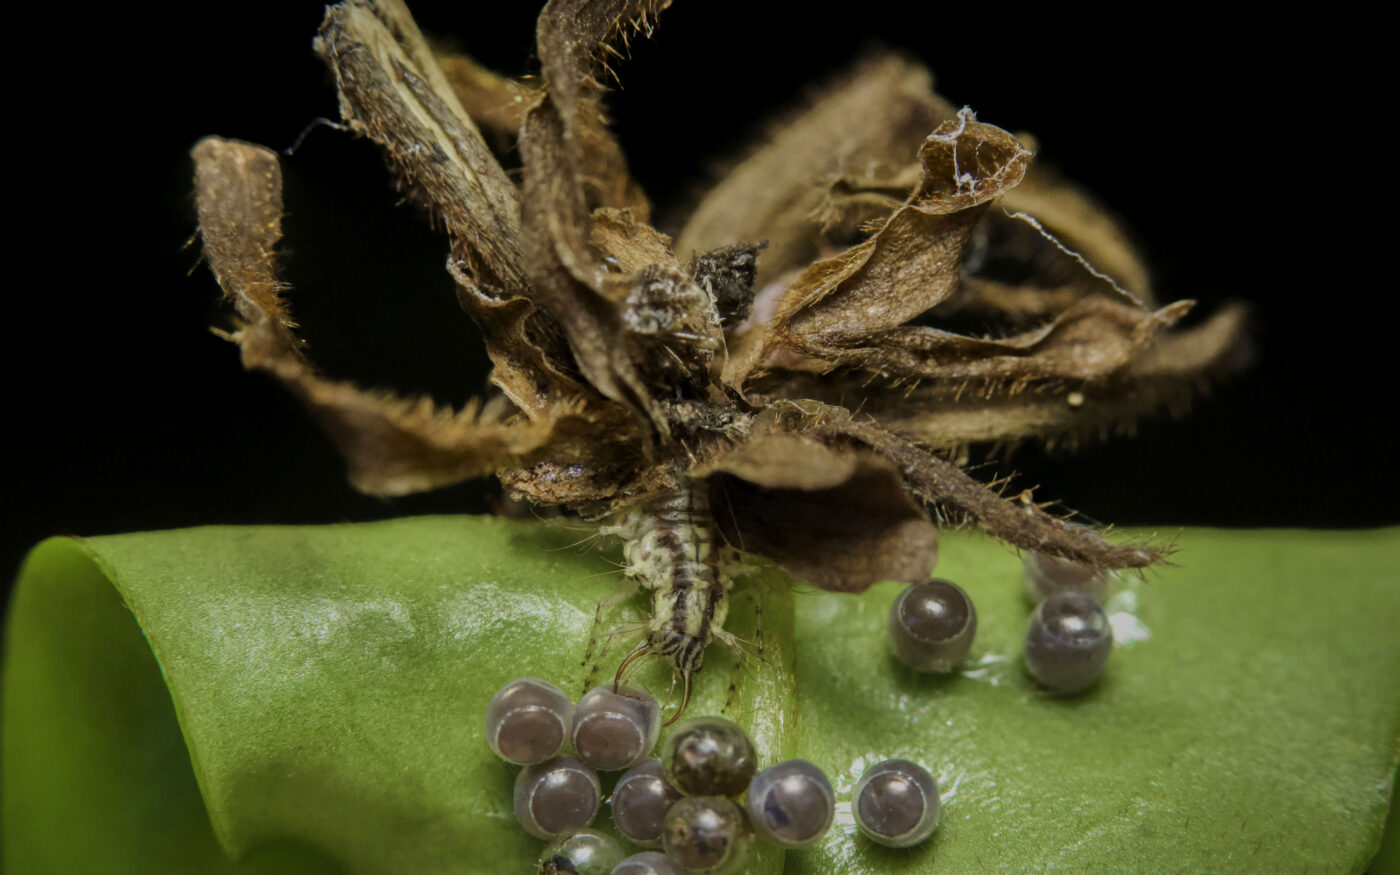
x=632, y=368
x=671, y=547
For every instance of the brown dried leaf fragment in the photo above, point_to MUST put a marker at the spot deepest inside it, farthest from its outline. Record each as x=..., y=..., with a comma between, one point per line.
x=1090, y=340
x=496, y=102
x=958, y=497
x=393, y=446
x=872, y=119
x=909, y=266
x=574, y=38
x=578, y=195
x=412, y=113
x=567, y=278
x=838, y=519
x=1166, y=375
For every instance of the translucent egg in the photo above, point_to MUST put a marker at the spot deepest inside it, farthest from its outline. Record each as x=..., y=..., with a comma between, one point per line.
x=709, y=756
x=1047, y=575
x=640, y=801
x=932, y=626
x=586, y=852
x=647, y=863
x=528, y=721
x=1068, y=642
x=895, y=803
x=557, y=796
x=706, y=834
x=791, y=804
x=615, y=730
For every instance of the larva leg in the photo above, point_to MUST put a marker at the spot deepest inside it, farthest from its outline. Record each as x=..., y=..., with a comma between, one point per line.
x=745, y=648
x=598, y=642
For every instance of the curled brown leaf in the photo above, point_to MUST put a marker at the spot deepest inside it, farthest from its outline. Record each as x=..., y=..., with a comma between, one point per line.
x=393, y=446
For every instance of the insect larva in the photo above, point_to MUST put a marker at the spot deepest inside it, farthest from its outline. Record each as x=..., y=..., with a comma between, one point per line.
x=671, y=547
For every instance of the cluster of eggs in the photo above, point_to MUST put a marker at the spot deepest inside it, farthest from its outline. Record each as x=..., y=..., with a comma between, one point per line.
x=685, y=802
x=1068, y=638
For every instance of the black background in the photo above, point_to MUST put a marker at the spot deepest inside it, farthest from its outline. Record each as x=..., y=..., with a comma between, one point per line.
x=1240, y=153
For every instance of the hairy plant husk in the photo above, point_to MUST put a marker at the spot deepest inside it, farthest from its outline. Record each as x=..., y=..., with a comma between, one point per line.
x=788, y=344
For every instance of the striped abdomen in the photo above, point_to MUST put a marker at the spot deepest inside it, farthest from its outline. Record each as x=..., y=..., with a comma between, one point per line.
x=671, y=549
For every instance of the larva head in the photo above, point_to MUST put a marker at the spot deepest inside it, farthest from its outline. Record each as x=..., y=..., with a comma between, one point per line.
x=686, y=653
x=687, y=661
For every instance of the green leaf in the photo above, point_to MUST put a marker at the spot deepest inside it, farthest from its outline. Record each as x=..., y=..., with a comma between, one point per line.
x=330, y=682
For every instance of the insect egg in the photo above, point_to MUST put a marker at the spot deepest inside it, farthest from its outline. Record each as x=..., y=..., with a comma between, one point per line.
x=1047, y=575
x=646, y=863
x=640, y=801
x=706, y=834
x=528, y=721
x=557, y=796
x=932, y=626
x=615, y=730
x=586, y=852
x=791, y=804
x=709, y=756
x=895, y=803
x=1068, y=642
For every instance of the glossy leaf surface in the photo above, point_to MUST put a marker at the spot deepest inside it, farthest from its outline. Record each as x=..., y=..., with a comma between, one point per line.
x=324, y=688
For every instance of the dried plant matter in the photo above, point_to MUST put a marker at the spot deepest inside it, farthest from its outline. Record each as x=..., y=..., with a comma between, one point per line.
x=784, y=347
